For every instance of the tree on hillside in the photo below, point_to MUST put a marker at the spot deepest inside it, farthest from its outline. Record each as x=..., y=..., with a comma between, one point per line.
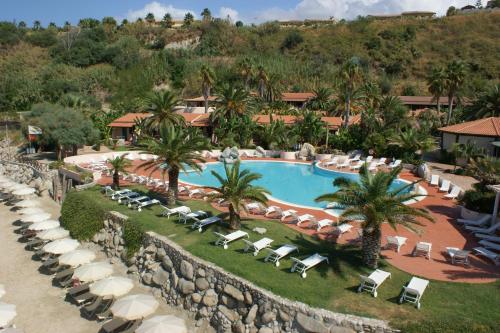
x=67, y=26
x=230, y=102
x=52, y=25
x=161, y=104
x=88, y=23
x=178, y=149
x=150, y=18
x=350, y=76
x=206, y=15
x=119, y=164
x=436, y=83
x=207, y=82
x=188, y=19
x=21, y=25
x=236, y=188
x=246, y=71
x=262, y=79
x=374, y=201
x=37, y=25
x=274, y=88
x=455, y=78
x=167, y=21
x=322, y=100
x=486, y=104
x=109, y=20
x=451, y=11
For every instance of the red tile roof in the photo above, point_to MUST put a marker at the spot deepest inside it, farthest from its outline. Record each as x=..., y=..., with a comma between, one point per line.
x=196, y=119
x=297, y=97
x=482, y=127
x=336, y=122
x=128, y=120
x=265, y=119
x=200, y=99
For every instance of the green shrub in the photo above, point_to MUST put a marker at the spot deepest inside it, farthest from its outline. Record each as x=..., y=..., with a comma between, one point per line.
x=55, y=165
x=82, y=214
x=480, y=199
x=133, y=236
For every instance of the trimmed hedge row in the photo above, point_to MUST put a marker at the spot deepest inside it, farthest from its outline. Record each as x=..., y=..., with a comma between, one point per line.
x=82, y=215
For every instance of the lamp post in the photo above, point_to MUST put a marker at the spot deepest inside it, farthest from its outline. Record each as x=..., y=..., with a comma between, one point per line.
x=496, y=189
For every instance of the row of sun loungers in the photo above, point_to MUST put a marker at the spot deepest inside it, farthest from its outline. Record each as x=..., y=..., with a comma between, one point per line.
x=348, y=163
x=445, y=187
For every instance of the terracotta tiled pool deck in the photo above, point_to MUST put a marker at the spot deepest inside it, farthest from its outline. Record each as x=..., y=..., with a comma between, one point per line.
x=443, y=233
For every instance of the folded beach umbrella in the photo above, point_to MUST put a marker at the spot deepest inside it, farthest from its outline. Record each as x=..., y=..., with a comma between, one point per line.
x=134, y=306
x=36, y=217
x=28, y=203
x=2, y=290
x=93, y=271
x=161, y=324
x=7, y=313
x=53, y=234
x=31, y=211
x=24, y=192
x=44, y=225
x=115, y=286
x=61, y=246
x=76, y=258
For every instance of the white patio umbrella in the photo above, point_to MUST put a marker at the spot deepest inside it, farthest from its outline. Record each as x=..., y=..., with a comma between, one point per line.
x=28, y=203
x=31, y=211
x=115, y=286
x=7, y=313
x=161, y=324
x=93, y=271
x=36, y=217
x=44, y=225
x=134, y=306
x=2, y=290
x=61, y=246
x=24, y=191
x=76, y=258
x=16, y=187
x=53, y=234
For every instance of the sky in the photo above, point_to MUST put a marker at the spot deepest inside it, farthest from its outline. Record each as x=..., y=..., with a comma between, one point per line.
x=248, y=11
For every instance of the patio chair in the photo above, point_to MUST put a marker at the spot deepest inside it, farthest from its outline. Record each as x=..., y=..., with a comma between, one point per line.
x=493, y=256
x=83, y=298
x=305, y=218
x=381, y=161
x=148, y=203
x=183, y=217
x=356, y=158
x=357, y=166
x=255, y=208
x=258, y=245
x=273, y=210
x=289, y=213
x=345, y=164
x=455, y=192
x=332, y=161
x=395, y=242
x=445, y=186
x=322, y=224
x=477, y=223
x=458, y=256
x=184, y=189
x=342, y=229
x=224, y=240
x=373, y=281
x=81, y=289
x=434, y=180
x=490, y=230
x=301, y=266
x=104, y=311
x=413, y=291
x=422, y=248
x=196, y=192
x=126, y=196
x=200, y=224
x=394, y=164
x=50, y=264
x=34, y=244
x=173, y=211
x=490, y=245
x=281, y=252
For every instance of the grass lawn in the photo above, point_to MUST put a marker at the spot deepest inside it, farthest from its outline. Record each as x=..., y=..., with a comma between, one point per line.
x=330, y=286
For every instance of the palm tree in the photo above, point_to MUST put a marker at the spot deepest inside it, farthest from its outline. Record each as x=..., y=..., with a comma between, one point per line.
x=37, y=25
x=230, y=102
x=373, y=201
x=207, y=15
x=246, y=71
x=118, y=164
x=322, y=100
x=350, y=75
x=413, y=142
x=177, y=148
x=269, y=134
x=436, y=82
x=455, y=77
x=487, y=104
x=207, y=82
x=273, y=88
x=161, y=104
x=150, y=18
x=167, y=21
x=262, y=81
x=236, y=189
x=310, y=128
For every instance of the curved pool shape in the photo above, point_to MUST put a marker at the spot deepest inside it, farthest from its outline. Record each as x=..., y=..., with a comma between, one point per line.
x=291, y=183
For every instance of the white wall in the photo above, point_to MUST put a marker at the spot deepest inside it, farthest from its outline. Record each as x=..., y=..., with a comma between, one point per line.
x=480, y=141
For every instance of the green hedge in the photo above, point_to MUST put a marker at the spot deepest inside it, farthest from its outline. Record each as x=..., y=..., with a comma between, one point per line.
x=479, y=199
x=82, y=214
x=133, y=236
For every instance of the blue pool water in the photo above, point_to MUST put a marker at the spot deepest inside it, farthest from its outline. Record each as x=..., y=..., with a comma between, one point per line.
x=294, y=183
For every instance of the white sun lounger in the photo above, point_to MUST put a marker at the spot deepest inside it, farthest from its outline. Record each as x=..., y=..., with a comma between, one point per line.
x=117, y=194
x=137, y=200
x=200, y=224
x=356, y=158
x=255, y=207
x=333, y=161
x=455, y=192
x=458, y=256
x=423, y=248
x=394, y=164
x=124, y=198
x=372, y=166
x=369, y=159
x=477, y=223
x=434, y=180
x=224, y=240
x=490, y=230
x=490, y=245
x=395, y=242
x=381, y=161
x=357, y=166
x=373, y=281
x=143, y=204
x=491, y=238
x=322, y=224
x=274, y=256
x=445, y=186
x=301, y=266
x=305, y=218
x=198, y=191
x=184, y=217
x=346, y=163
x=414, y=291
x=177, y=210
x=258, y=245
x=495, y=257
x=289, y=213
x=342, y=229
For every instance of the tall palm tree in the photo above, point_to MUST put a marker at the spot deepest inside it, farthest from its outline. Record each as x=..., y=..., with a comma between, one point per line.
x=273, y=88
x=455, y=77
x=207, y=82
x=487, y=104
x=246, y=71
x=262, y=79
x=322, y=100
x=231, y=102
x=350, y=76
x=436, y=82
x=374, y=201
x=118, y=164
x=236, y=188
x=177, y=148
x=161, y=104
x=413, y=142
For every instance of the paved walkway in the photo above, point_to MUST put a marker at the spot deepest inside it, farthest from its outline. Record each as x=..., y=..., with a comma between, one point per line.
x=443, y=233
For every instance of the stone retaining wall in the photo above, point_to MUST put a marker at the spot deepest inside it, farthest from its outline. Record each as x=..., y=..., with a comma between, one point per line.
x=228, y=302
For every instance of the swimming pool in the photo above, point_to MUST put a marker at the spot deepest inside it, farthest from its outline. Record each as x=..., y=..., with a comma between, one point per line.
x=291, y=183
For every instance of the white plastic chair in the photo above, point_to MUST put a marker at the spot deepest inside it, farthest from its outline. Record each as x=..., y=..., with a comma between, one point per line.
x=445, y=186
x=396, y=242
x=434, y=180
x=423, y=248
x=455, y=192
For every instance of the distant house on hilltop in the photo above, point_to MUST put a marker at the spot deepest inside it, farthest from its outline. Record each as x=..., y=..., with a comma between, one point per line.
x=412, y=14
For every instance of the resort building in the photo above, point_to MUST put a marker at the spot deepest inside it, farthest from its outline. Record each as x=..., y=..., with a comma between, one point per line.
x=484, y=133
x=411, y=14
